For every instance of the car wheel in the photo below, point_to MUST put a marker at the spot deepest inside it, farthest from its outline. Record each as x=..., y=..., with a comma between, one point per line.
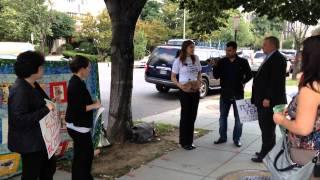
x=287, y=74
x=162, y=88
x=204, y=88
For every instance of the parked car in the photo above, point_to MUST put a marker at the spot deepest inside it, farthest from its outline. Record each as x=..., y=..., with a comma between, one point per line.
x=158, y=68
x=10, y=50
x=245, y=53
x=176, y=42
x=258, y=58
x=141, y=63
x=289, y=53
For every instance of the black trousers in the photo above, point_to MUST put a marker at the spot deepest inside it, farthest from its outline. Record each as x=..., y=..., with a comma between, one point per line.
x=189, y=109
x=37, y=166
x=268, y=127
x=82, y=155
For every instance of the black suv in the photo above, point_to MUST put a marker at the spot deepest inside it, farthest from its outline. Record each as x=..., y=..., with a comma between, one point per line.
x=158, y=68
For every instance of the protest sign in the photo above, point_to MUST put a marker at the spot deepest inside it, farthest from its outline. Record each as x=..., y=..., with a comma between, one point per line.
x=50, y=128
x=246, y=110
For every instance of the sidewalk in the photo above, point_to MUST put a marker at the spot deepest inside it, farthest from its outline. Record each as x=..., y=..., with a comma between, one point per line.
x=208, y=161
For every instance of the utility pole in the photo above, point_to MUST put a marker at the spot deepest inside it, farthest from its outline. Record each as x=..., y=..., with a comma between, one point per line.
x=184, y=23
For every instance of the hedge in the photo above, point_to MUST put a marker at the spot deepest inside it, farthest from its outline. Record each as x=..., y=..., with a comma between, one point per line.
x=70, y=54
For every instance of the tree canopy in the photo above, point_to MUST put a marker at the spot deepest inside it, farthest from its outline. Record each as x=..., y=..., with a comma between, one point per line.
x=205, y=13
x=62, y=25
x=151, y=10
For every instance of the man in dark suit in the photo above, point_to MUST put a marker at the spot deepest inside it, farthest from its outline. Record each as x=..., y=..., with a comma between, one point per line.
x=268, y=90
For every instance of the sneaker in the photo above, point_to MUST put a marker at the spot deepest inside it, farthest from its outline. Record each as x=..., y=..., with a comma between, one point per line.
x=238, y=144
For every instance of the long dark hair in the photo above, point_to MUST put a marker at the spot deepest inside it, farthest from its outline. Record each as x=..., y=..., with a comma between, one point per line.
x=311, y=62
x=183, y=53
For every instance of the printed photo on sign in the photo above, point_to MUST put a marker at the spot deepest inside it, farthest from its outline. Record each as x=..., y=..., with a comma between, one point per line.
x=4, y=93
x=59, y=90
x=62, y=117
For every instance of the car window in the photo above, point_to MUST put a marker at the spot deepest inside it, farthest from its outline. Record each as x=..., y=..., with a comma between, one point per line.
x=203, y=63
x=203, y=55
x=175, y=42
x=291, y=53
x=259, y=56
x=163, y=55
x=206, y=54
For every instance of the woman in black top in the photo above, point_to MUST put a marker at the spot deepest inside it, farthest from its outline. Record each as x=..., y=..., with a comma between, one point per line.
x=79, y=117
x=26, y=107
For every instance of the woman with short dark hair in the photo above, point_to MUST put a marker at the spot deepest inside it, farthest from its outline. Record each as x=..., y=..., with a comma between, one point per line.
x=26, y=107
x=79, y=117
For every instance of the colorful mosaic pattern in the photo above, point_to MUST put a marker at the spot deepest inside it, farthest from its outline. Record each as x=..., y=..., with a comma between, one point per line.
x=54, y=82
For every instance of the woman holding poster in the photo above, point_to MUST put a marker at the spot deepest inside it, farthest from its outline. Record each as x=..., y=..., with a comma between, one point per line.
x=79, y=117
x=26, y=107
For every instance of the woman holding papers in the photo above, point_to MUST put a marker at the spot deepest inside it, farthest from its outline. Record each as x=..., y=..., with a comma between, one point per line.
x=188, y=67
x=26, y=107
x=79, y=117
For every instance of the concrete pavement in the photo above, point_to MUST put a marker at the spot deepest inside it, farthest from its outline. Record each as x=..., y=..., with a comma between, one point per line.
x=208, y=161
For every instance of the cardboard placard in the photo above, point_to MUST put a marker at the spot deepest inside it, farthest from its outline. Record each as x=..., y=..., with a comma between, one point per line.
x=247, y=111
x=50, y=128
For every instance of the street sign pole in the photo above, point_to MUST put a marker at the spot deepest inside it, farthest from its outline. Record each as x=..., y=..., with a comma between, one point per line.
x=236, y=23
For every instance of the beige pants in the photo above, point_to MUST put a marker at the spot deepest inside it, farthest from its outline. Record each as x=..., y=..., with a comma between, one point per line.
x=302, y=157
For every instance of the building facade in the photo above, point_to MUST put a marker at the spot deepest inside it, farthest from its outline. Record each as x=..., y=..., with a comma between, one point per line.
x=77, y=8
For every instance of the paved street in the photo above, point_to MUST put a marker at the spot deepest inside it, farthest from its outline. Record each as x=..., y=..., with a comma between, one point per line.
x=146, y=100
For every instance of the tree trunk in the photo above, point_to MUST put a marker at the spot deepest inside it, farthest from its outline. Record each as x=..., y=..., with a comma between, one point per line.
x=299, y=32
x=42, y=43
x=296, y=64
x=124, y=15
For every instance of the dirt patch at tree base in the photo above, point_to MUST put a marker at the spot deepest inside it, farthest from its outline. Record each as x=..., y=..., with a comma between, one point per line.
x=120, y=159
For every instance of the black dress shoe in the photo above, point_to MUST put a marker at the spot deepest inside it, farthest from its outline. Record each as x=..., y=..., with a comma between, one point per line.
x=220, y=141
x=257, y=159
x=189, y=147
x=238, y=144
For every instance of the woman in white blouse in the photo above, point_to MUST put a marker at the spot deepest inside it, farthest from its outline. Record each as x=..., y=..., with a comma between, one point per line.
x=188, y=67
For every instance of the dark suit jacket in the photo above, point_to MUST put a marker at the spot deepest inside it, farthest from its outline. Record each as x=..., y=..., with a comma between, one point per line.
x=270, y=81
x=78, y=98
x=26, y=107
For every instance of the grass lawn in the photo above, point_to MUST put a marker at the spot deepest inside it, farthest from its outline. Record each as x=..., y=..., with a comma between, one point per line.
x=291, y=82
x=247, y=94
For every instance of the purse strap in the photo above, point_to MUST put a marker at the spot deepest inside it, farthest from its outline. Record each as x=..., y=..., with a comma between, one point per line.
x=286, y=168
x=316, y=157
x=277, y=158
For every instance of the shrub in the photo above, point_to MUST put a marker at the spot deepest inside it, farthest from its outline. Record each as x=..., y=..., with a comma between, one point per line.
x=87, y=47
x=70, y=54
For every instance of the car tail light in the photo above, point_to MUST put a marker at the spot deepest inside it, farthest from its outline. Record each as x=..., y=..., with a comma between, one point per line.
x=146, y=67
